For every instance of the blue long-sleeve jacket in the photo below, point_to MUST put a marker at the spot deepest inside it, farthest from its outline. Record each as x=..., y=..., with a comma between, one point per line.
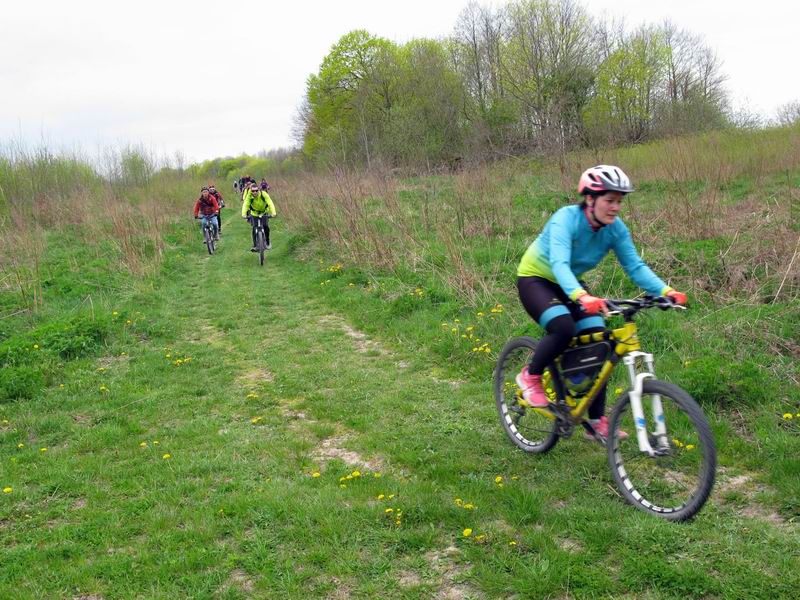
x=568, y=247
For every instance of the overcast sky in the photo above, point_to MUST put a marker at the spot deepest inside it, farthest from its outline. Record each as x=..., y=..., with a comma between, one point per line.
x=220, y=78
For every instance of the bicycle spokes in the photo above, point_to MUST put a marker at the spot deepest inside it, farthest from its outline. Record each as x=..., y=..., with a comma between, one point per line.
x=678, y=474
x=529, y=428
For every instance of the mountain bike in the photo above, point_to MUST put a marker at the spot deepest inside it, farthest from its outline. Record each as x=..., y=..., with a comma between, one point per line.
x=668, y=467
x=260, y=235
x=209, y=235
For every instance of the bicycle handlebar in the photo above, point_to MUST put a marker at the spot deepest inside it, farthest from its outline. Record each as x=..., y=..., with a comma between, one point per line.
x=628, y=308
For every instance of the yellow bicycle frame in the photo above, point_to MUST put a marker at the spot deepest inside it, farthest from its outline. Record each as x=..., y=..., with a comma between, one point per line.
x=627, y=340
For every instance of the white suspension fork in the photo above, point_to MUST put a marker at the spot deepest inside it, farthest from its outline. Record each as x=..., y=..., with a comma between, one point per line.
x=637, y=383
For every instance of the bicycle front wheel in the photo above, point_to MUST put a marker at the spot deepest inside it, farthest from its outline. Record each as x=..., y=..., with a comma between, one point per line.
x=262, y=245
x=209, y=240
x=531, y=429
x=676, y=482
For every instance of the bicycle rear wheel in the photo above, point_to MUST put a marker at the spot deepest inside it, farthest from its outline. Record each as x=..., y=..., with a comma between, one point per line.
x=676, y=483
x=532, y=430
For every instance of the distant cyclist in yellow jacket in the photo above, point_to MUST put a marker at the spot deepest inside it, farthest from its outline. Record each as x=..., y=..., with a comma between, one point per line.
x=257, y=207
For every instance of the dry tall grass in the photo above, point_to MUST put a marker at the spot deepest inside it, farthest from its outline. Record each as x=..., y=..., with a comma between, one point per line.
x=435, y=225
x=43, y=195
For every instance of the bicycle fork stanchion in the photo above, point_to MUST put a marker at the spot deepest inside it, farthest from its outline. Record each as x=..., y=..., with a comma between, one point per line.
x=637, y=382
x=658, y=409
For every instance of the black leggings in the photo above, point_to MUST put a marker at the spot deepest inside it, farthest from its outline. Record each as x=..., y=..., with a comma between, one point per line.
x=550, y=307
x=265, y=223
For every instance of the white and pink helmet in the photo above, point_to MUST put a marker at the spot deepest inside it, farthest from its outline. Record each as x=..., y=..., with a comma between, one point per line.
x=604, y=178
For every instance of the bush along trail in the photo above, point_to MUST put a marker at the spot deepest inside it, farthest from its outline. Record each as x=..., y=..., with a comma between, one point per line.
x=228, y=433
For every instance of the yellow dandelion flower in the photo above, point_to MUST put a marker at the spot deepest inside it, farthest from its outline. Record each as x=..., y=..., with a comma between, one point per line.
x=348, y=477
x=618, y=391
x=467, y=532
x=315, y=474
x=155, y=442
x=500, y=485
x=5, y=421
x=376, y=475
x=142, y=444
x=454, y=330
x=61, y=385
x=36, y=346
x=397, y=522
x=458, y=501
x=342, y=485
x=389, y=510
x=480, y=538
x=115, y=314
x=128, y=322
x=168, y=356
x=498, y=479
x=690, y=446
x=20, y=445
x=381, y=496
x=356, y=473
x=167, y=456
x=512, y=543
x=788, y=416
x=391, y=496
x=8, y=490
x=469, y=506
x=515, y=477
x=456, y=320
x=797, y=415
x=686, y=363
x=42, y=449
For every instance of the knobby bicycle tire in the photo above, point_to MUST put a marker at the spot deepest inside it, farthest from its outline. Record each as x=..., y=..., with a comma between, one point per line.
x=261, y=246
x=513, y=355
x=643, y=480
x=209, y=240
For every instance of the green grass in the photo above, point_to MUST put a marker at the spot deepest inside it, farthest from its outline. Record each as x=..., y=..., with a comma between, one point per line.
x=236, y=511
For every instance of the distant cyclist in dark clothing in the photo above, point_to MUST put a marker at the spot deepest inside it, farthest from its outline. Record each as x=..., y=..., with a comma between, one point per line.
x=264, y=185
x=213, y=191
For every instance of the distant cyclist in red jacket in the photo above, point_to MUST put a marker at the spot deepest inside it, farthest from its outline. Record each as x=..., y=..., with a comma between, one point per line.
x=207, y=204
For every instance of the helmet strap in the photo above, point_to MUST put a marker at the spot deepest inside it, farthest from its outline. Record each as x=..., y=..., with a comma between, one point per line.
x=594, y=222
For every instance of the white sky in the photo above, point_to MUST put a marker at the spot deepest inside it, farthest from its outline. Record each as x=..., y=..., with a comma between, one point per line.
x=169, y=74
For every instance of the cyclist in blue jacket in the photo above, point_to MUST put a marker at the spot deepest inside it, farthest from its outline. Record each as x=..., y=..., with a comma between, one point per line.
x=574, y=240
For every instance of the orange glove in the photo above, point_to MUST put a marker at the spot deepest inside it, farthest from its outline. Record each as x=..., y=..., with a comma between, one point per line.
x=592, y=305
x=677, y=297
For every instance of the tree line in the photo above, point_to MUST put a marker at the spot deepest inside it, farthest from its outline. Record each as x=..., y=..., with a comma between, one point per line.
x=533, y=76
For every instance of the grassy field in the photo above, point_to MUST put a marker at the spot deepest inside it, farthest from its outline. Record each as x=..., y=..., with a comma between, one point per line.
x=221, y=430
x=174, y=425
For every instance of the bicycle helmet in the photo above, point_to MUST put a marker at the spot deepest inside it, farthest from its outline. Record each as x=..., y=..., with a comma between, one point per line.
x=604, y=178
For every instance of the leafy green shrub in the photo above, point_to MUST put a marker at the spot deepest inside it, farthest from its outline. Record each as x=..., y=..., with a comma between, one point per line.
x=716, y=382
x=18, y=383
x=66, y=340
